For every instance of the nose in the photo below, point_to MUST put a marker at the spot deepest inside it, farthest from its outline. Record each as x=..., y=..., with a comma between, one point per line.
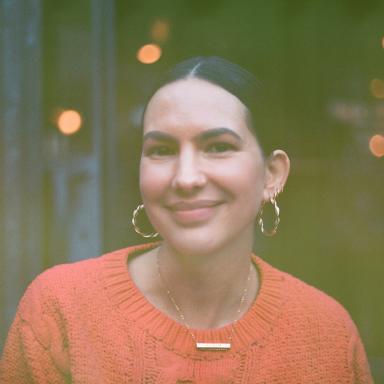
x=189, y=174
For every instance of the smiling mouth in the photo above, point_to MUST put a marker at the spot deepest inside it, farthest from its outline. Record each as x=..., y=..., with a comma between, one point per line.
x=193, y=212
x=191, y=205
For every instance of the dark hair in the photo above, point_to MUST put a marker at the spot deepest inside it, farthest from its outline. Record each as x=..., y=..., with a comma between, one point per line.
x=227, y=75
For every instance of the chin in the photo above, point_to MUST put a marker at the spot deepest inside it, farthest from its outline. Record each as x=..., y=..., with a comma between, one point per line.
x=195, y=243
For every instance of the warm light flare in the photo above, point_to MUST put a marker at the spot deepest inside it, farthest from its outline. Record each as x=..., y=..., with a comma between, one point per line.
x=376, y=145
x=377, y=88
x=149, y=53
x=160, y=31
x=69, y=122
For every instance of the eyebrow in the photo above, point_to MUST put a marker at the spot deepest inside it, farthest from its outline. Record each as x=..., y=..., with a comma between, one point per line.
x=206, y=135
x=158, y=135
x=218, y=132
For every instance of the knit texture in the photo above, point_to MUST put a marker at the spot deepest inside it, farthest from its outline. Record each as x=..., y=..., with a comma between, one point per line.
x=87, y=322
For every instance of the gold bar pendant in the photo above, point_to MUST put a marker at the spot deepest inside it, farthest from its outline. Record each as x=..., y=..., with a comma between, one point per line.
x=213, y=346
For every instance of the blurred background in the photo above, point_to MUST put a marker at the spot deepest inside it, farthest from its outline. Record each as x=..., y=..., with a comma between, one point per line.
x=74, y=76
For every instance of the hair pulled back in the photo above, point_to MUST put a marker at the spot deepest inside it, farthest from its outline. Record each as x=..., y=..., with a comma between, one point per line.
x=227, y=75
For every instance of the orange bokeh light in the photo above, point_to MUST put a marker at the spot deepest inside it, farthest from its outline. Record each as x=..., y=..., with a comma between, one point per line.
x=160, y=30
x=69, y=122
x=382, y=42
x=376, y=145
x=149, y=53
x=377, y=88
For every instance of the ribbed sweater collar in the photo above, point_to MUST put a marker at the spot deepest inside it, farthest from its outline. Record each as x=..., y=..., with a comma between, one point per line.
x=252, y=328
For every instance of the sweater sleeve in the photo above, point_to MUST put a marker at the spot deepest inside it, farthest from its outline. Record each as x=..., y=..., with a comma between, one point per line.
x=358, y=359
x=35, y=349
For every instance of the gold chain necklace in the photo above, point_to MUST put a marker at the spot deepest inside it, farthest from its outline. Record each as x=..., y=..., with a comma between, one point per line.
x=199, y=345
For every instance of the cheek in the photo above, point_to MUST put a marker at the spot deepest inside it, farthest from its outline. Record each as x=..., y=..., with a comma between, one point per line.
x=245, y=176
x=246, y=184
x=153, y=181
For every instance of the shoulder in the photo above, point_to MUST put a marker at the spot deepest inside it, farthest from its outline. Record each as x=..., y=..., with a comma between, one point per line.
x=64, y=282
x=308, y=303
x=79, y=273
x=317, y=323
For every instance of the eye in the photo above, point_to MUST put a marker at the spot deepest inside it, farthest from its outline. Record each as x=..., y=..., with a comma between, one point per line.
x=220, y=147
x=160, y=151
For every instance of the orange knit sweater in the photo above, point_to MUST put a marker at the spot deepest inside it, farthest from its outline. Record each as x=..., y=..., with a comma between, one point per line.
x=87, y=323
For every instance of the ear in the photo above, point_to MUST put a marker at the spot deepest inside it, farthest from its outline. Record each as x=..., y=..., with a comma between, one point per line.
x=277, y=171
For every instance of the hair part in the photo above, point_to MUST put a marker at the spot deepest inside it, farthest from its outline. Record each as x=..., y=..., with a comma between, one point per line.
x=223, y=73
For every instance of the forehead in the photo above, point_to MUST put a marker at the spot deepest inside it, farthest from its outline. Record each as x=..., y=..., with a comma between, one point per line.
x=194, y=102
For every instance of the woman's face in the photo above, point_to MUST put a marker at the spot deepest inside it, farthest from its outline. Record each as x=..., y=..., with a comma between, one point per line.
x=202, y=175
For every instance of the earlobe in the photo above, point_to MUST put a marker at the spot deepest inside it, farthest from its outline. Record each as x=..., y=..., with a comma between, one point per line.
x=277, y=171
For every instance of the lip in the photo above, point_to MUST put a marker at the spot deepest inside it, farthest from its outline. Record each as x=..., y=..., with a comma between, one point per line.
x=193, y=212
x=192, y=205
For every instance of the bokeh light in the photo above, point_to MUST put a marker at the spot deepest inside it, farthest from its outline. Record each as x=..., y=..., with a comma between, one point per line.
x=160, y=31
x=376, y=145
x=69, y=122
x=382, y=42
x=377, y=88
x=149, y=54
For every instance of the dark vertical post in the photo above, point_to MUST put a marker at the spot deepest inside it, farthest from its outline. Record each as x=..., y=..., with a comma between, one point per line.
x=104, y=109
x=20, y=152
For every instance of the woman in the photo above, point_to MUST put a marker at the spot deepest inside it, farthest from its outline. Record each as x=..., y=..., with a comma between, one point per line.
x=196, y=307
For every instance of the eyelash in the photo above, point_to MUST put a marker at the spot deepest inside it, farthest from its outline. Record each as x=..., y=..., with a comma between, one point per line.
x=220, y=147
x=163, y=150
x=160, y=151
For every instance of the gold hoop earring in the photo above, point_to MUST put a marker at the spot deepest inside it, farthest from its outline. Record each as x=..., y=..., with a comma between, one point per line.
x=136, y=227
x=273, y=231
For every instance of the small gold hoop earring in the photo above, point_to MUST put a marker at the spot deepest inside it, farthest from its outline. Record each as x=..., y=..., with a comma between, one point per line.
x=273, y=231
x=136, y=227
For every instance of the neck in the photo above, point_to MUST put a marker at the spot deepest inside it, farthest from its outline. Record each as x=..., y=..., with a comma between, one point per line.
x=205, y=268
x=208, y=287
